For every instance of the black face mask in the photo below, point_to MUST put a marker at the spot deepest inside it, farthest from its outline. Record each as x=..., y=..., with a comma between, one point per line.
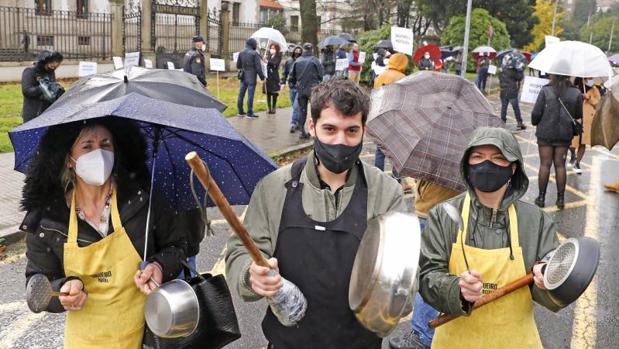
x=337, y=158
x=488, y=176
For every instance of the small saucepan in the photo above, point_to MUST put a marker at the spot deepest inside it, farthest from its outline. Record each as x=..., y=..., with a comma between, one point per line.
x=172, y=310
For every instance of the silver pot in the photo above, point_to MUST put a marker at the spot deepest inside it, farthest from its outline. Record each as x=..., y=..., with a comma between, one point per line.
x=172, y=310
x=384, y=273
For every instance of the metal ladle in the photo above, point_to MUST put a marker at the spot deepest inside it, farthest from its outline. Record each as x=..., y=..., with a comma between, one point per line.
x=39, y=293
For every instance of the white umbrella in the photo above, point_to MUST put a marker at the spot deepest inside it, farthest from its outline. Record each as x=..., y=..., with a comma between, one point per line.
x=266, y=35
x=572, y=58
x=484, y=49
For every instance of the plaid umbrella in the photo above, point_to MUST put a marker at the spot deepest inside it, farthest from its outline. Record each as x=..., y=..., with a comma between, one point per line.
x=424, y=122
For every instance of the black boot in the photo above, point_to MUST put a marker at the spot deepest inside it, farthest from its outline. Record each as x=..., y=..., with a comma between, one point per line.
x=274, y=104
x=540, y=201
x=561, y=200
x=268, y=104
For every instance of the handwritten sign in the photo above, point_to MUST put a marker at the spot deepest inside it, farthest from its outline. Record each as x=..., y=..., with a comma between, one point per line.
x=549, y=40
x=148, y=63
x=402, y=40
x=118, y=63
x=132, y=59
x=531, y=88
x=492, y=69
x=235, y=56
x=171, y=66
x=87, y=68
x=217, y=64
x=341, y=64
x=362, y=57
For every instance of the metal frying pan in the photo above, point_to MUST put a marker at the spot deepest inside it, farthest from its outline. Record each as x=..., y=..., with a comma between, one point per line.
x=39, y=293
x=567, y=274
x=384, y=273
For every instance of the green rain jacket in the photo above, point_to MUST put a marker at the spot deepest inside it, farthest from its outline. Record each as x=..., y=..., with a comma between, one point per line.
x=265, y=210
x=537, y=231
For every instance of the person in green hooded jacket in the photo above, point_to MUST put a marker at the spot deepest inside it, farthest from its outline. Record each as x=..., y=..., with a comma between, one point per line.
x=503, y=239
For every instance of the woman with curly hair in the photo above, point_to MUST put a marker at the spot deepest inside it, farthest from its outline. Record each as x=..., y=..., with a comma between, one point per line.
x=86, y=197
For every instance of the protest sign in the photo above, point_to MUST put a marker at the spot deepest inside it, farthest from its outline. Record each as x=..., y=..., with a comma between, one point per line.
x=402, y=40
x=531, y=88
x=87, y=68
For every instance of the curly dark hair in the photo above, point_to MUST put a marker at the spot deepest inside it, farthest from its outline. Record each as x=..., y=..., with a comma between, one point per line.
x=44, y=184
x=342, y=94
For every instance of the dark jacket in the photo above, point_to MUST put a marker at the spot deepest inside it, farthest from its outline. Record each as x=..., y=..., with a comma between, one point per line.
x=328, y=62
x=287, y=69
x=306, y=73
x=249, y=61
x=35, y=102
x=341, y=53
x=487, y=230
x=553, y=123
x=426, y=64
x=273, y=73
x=46, y=224
x=509, y=80
x=193, y=63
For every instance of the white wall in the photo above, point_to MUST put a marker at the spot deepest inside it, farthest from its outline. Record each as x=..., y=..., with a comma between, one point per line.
x=66, y=70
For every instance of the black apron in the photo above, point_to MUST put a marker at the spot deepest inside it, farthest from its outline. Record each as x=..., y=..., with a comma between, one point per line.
x=318, y=258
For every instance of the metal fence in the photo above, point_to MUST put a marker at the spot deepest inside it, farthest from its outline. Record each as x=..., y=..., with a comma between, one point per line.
x=173, y=32
x=215, y=35
x=24, y=32
x=239, y=33
x=132, y=29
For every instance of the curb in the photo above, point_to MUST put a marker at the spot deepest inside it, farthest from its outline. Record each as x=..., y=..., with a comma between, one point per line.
x=11, y=235
x=291, y=149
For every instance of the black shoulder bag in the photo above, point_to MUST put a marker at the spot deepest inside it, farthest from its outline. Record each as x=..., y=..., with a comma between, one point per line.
x=577, y=128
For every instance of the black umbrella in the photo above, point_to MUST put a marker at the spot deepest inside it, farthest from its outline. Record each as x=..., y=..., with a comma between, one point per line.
x=332, y=41
x=447, y=52
x=348, y=37
x=161, y=84
x=385, y=44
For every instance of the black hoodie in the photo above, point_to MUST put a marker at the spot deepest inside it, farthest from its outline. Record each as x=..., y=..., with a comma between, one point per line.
x=35, y=102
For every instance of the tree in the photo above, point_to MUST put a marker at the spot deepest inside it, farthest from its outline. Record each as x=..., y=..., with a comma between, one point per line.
x=309, y=21
x=278, y=22
x=599, y=32
x=453, y=35
x=516, y=14
x=544, y=10
x=583, y=10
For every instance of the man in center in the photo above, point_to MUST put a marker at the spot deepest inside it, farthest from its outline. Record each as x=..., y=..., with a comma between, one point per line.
x=309, y=217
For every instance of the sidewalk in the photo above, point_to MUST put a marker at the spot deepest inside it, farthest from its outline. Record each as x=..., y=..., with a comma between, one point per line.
x=269, y=132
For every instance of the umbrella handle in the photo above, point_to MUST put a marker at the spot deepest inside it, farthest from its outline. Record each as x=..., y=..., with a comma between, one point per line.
x=200, y=170
x=487, y=298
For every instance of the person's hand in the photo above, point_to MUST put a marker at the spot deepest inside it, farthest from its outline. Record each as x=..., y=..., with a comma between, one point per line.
x=142, y=278
x=538, y=277
x=470, y=285
x=72, y=295
x=262, y=281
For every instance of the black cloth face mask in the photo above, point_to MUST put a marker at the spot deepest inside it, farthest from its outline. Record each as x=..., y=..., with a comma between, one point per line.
x=488, y=176
x=337, y=158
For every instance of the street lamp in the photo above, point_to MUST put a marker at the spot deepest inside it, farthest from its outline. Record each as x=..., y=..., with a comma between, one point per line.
x=465, y=46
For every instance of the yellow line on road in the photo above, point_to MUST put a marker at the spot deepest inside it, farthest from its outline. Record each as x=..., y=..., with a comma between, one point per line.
x=568, y=205
x=584, y=328
x=567, y=186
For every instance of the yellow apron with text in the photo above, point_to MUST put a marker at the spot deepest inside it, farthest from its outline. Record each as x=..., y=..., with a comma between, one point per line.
x=504, y=323
x=113, y=315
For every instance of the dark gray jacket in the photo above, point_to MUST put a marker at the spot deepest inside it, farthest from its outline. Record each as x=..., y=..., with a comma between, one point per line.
x=287, y=69
x=193, y=63
x=306, y=73
x=249, y=61
x=328, y=62
x=509, y=80
x=552, y=121
x=35, y=102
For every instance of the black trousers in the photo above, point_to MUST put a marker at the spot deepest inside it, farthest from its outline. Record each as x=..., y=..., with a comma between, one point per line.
x=303, y=101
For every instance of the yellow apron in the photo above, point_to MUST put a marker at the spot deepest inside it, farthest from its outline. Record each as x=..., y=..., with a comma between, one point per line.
x=113, y=315
x=506, y=322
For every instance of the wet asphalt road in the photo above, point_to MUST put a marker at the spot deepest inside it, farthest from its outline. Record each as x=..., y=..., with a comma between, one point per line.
x=591, y=322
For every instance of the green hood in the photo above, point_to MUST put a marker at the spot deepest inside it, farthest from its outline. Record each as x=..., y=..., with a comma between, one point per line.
x=508, y=145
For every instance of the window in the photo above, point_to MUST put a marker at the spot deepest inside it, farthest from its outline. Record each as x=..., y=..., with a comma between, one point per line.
x=236, y=13
x=83, y=40
x=45, y=40
x=264, y=15
x=43, y=7
x=82, y=8
x=294, y=23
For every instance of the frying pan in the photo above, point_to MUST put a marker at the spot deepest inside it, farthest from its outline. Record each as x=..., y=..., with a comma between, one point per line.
x=567, y=274
x=39, y=293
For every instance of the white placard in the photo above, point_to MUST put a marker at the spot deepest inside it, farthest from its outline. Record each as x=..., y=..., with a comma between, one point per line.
x=402, y=40
x=264, y=69
x=235, y=56
x=362, y=57
x=492, y=69
x=148, y=63
x=87, y=68
x=171, y=66
x=217, y=64
x=132, y=59
x=118, y=63
x=531, y=88
x=341, y=64
x=549, y=40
